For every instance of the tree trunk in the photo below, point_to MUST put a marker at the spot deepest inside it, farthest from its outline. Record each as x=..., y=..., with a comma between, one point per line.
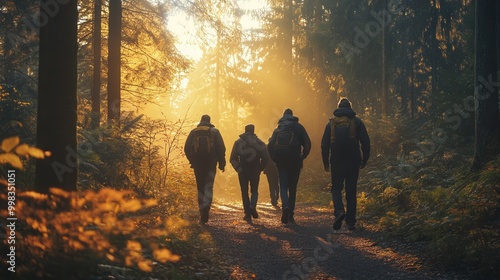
x=487, y=126
x=412, y=85
x=56, y=124
x=216, y=114
x=385, y=36
x=288, y=32
x=96, y=80
x=433, y=51
x=404, y=90
x=114, y=62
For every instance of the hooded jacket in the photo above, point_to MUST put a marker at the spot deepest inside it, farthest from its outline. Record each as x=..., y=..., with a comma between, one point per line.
x=218, y=154
x=349, y=155
x=291, y=122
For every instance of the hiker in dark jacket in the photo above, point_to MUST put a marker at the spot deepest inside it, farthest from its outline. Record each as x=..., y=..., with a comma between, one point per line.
x=272, y=176
x=249, y=157
x=205, y=137
x=289, y=146
x=343, y=157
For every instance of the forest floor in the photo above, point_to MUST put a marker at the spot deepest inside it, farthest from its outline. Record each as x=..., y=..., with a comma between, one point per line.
x=310, y=249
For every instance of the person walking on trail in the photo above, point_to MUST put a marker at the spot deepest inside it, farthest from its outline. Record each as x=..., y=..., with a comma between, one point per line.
x=342, y=156
x=271, y=172
x=205, y=148
x=248, y=158
x=288, y=147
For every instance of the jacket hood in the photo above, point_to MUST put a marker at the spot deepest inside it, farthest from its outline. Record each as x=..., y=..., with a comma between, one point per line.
x=348, y=112
x=204, y=123
x=287, y=121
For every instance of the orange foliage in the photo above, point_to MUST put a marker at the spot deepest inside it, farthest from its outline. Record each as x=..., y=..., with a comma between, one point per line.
x=63, y=224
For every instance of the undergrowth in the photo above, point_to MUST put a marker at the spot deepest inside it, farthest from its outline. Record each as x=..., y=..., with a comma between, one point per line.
x=432, y=196
x=132, y=217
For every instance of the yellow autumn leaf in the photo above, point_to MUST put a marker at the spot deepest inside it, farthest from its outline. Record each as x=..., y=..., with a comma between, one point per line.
x=145, y=266
x=60, y=192
x=131, y=205
x=164, y=255
x=9, y=143
x=150, y=202
x=22, y=150
x=110, y=257
x=133, y=245
x=129, y=261
x=11, y=159
x=34, y=195
x=36, y=153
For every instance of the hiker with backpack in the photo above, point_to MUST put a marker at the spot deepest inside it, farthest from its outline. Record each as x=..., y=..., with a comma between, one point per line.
x=248, y=158
x=271, y=172
x=205, y=148
x=342, y=156
x=288, y=147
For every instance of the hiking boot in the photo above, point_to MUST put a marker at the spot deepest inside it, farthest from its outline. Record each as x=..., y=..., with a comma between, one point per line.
x=247, y=218
x=351, y=227
x=204, y=216
x=255, y=215
x=337, y=224
x=284, y=215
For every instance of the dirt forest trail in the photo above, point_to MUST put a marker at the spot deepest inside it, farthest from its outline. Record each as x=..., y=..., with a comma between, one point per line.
x=309, y=249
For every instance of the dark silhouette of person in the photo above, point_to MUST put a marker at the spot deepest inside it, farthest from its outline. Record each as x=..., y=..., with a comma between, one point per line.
x=205, y=148
x=342, y=156
x=248, y=158
x=272, y=176
x=288, y=147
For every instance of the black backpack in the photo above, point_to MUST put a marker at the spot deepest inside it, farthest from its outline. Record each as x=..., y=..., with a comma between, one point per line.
x=249, y=151
x=287, y=146
x=203, y=142
x=343, y=132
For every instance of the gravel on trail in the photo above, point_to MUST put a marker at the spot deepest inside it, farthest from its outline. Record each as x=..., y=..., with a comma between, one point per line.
x=310, y=249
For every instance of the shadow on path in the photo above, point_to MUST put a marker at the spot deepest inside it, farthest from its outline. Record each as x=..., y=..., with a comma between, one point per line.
x=310, y=249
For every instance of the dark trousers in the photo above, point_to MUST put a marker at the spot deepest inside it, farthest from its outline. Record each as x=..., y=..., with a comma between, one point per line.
x=205, y=176
x=273, y=181
x=249, y=175
x=288, y=177
x=345, y=174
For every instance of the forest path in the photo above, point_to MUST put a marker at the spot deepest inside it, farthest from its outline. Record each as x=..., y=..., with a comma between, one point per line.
x=309, y=249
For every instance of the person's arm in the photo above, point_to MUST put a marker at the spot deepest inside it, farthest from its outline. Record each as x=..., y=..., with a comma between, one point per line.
x=364, y=139
x=234, y=159
x=220, y=150
x=271, y=144
x=306, y=141
x=325, y=146
x=263, y=155
x=188, y=147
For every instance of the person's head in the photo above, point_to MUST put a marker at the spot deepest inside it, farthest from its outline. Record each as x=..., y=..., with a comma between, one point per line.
x=288, y=111
x=205, y=118
x=250, y=128
x=344, y=103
